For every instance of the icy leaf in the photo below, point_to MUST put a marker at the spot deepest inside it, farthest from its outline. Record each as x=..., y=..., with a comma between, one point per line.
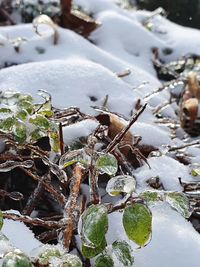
x=137, y=222
x=179, y=202
x=44, y=19
x=19, y=132
x=121, y=183
x=1, y=219
x=123, y=252
x=16, y=196
x=94, y=225
x=45, y=109
x=47, y=254
x=54, y=139
x=69, y=260
x=104, y=261
x=149, y=196
x=25, y=104
x=5, y=110
x=37, y=134
x=16, y=259
x=74, y=156
x=22, y=115
x=195, y=172
x=9, y=165
x=40, y=121
x=107, y=163
x=7, y=124
x=90, y=252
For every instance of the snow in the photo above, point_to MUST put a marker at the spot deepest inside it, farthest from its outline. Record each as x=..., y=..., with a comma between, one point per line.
x=80, y=72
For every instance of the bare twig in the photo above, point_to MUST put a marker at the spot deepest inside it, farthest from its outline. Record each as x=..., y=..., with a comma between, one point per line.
x=121, y=134
x=171, y=149
x=29, y=220
x=71, y=205
x=6, y=16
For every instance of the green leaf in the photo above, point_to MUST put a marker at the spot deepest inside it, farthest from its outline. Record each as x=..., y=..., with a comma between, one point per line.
x=90, y=252
x=123, y=252
x=137, y=222
x=40, y=121
x=104, y=261
x=121, y=183
x=179, y=202
x=19, y=132
x=149, y=196
x=107, y=163
x=54, y=138
x=94, y=225
x=45, y=256
x=16, y=259
x=7, y=124
x=1, y=219
x=74, y=156
x=69, y=260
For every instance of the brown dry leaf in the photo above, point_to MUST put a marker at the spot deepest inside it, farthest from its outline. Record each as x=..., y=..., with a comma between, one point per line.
x=190, y=108
x=193, y=85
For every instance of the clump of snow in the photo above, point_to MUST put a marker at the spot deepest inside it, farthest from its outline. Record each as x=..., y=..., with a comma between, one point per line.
x=167, y=169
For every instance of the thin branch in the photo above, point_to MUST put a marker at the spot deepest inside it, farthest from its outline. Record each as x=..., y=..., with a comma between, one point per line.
x=121, y=134
x=29, y=220
x=175, y=148
x=71, y=205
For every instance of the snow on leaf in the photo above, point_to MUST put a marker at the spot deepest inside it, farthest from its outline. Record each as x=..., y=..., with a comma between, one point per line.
x=123, y=252
x=107, y=163
x=104, y=261
x=121, y=183
x=137, y=222
x=90, y=252
x=179, y=202
x=94, y=225
x=16, y=259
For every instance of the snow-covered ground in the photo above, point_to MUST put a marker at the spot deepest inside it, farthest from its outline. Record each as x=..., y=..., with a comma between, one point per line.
x=77, y=71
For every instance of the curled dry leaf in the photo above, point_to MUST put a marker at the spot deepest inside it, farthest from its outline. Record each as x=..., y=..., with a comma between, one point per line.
x=44, y=19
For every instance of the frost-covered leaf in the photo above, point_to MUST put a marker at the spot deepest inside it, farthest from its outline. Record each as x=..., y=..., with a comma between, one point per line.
x=19, y=131
x=94, y=225
x=104, y=261
x=46, y=254
x=137, y=222
x=40, y=121
x=16, y=259
x=123, y=252
x=121, y=183
x=179, y=202
x=149, y=196
x=74, y=156
x=1, y=219
x=107, y=163
x=90, y=252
